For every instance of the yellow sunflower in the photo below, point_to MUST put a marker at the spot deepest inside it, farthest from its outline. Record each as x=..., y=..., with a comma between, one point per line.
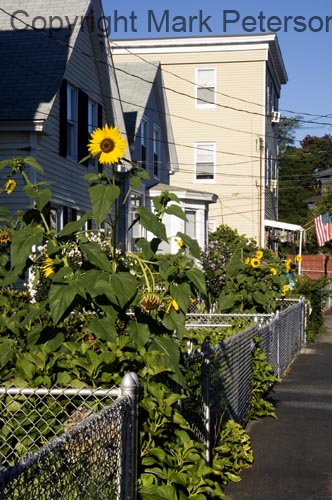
x=47, y=266
x=173, y=304
x=288, y=265
x=247, y=261
x=10, y=186
x=259, y=254
x=299, y=258
x=4, y=238
x=255, y=262
x=273, y=271
x=107, y=144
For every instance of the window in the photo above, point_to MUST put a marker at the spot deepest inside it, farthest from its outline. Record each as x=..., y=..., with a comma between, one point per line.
x=205, y=153
x=205, y=88
x=211, y=226
x=135, y=228
x=156, y=151
x=190, y=224
x=144, y=142
x=72, y=121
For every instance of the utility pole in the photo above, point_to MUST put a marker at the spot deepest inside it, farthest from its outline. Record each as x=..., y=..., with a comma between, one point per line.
x=260, y=190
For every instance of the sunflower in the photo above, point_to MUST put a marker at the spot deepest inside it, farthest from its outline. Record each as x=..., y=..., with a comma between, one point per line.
x=4, y=238
x=255, y=262
x=284, y=290
x=259, y=254
x=10, y=186
x=47, y=266
x=299, y=258
x=273, y=271
x=150, y=302
x=173, y=304
x=107, y=144
x=247, y=261
x=288, y=265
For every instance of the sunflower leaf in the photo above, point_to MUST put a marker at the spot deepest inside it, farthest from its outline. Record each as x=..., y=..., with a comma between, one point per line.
x=102, y=200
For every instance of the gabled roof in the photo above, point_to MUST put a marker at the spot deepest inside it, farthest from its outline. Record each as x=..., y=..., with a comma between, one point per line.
x=32, y=63
x=135, y=81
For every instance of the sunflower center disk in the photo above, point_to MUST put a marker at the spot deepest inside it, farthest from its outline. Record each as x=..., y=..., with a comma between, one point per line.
x=107, y=145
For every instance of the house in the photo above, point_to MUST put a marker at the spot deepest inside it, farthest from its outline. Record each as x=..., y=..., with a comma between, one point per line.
x=223, y=94
x=57, y=85
x=152, y=146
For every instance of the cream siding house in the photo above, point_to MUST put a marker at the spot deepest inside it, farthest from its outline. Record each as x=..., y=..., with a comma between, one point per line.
x=56, y=85
x=223, y=95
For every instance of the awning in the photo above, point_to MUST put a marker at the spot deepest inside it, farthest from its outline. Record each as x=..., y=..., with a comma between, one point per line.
x=282, y=225
x=288, y=227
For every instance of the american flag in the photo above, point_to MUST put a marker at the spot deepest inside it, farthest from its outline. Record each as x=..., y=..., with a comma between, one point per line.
x=322, y=228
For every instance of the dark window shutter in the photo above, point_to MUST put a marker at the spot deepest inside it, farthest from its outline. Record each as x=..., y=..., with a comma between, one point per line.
x=82, y=128
x=65, y=217
x=100, y=124
x=63, y=120
x=100, y=115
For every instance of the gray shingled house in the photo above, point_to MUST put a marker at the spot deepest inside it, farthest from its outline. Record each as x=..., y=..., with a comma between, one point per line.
x=152, y=145
x=57, y=84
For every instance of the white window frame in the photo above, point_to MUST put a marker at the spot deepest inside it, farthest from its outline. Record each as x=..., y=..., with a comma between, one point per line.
x=72, y=121
x=144, y=134
x=156, y=150
x=205, y=145
x=136, y=200
x=205, y=105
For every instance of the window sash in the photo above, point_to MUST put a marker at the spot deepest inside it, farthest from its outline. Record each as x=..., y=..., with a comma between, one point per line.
x=205, y=91
x=205, y=161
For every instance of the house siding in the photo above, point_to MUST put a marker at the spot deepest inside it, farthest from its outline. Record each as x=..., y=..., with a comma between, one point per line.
x=236, y=124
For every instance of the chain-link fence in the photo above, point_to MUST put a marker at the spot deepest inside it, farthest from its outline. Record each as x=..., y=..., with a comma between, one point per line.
x=94, y=455
x=226, y=385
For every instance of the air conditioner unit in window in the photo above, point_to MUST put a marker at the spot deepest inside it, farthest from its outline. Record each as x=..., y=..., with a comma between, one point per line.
x=275, y=117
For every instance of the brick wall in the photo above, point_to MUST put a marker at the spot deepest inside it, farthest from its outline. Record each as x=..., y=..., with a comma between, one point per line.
x=313, y=266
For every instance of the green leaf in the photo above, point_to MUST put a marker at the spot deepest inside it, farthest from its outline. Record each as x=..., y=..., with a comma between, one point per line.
x=140, y=333
x=191, y=244
x=154, y=492
x=181, y=293
x=120, y=288
x=91, y=177
x=96, y=256
x=197, y=278
x=22, y=243
x=76, y=225
x=104, y=328
x=151, y=223
x=32, y=162
x=259, y=297
x=102, y=200
x=225, y=303
x=41, y=197
x=135, y=182
x=60, y=298
x=177, y=211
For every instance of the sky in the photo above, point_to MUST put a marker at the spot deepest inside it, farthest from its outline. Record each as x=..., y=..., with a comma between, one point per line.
x=305, y=39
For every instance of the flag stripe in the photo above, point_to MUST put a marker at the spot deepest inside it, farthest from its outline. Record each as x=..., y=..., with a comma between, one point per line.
x=322, y=229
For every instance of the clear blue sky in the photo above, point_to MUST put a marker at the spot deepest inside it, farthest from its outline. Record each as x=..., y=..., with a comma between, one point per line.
x=306, y=53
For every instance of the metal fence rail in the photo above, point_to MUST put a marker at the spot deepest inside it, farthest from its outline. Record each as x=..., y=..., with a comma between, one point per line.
x=92, y=459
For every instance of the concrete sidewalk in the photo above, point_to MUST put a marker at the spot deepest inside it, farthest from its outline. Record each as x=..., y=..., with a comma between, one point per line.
x=293, y=454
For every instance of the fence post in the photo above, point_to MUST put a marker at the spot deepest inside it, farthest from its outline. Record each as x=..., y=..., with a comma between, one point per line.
x=277, y=322
x=206, y=379
x=129, y=387
x=302, y=322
